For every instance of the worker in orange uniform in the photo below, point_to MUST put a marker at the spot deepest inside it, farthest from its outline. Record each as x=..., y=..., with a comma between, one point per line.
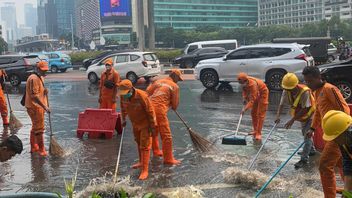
x=108, y=86
x=256, y=97
x=136, y=105
x=36, y=104
x=328, y=97
x=164, y=93
x=3, y=105
x=302, y=104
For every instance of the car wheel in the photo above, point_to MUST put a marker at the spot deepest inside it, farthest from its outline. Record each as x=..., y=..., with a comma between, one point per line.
x=147, y=78
x=132, y=77
x=15, y=80
x=331, y=58
x=225, y=87
x=54, y=69
x=93, y=78
x=63, y=70
x=346, y=89
x=189, y=64
x=209, y=79
x=273, y=79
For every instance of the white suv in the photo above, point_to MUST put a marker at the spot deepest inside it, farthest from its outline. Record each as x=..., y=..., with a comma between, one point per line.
x=269, y=62
x=130, y=65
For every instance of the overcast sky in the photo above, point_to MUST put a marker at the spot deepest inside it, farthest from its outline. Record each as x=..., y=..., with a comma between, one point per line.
x=19, y=8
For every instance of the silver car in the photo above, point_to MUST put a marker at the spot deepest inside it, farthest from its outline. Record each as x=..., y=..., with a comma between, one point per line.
x=269, y=62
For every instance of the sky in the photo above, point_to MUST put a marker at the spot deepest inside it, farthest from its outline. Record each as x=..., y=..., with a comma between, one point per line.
x=19, y=8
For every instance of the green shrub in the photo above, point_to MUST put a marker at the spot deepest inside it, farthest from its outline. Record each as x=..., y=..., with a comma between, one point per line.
x=78, y=57
x=168, y=54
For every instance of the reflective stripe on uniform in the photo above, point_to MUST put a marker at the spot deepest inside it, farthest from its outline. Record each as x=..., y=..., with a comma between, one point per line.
x=296, y=102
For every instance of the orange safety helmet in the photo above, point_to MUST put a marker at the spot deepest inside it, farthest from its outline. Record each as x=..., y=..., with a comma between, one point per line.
x=125, y=86
x=242, y=76
x=108, y=61
x=178, y=73
x=43, y=65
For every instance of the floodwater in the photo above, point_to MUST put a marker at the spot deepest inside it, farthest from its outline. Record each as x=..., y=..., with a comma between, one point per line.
x=212, y=113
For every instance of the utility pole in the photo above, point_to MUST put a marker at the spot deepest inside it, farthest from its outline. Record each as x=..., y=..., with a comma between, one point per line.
x=140, y=22
x=151, y=25
x=72, y=38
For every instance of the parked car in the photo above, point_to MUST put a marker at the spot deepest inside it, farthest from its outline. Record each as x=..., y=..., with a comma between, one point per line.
x=58, y=61
x=227, y=44
x=332, y=52
x=89, y=61
x=192, y=59
x=339, y=74
x=269, y=62
x=130, y=65
x=18, y=67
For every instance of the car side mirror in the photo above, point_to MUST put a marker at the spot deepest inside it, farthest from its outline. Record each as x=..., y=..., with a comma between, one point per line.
x=225, y=58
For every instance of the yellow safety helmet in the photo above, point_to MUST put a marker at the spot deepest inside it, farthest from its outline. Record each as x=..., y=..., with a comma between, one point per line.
x=289, y=81
x=335, y=123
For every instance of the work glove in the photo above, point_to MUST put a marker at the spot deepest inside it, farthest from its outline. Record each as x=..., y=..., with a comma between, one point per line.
x=124, y=123
x=277, y=120
x=289, y=124
x=99, y=100
x=47, y=109
x=46, y=91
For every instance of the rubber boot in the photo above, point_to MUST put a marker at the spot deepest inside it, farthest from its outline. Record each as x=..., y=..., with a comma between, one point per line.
x=139, y=163
x=168, y=155
x=145, y=164
x=155, y=145
x=34, y=145
x=258, y=133
x=40, y=141
x=5, y=120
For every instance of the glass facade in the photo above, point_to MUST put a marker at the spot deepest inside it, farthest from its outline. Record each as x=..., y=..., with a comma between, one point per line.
x=188, y=14
x=64, y=10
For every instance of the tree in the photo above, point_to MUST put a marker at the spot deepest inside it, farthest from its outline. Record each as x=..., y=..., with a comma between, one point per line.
x=3, y=45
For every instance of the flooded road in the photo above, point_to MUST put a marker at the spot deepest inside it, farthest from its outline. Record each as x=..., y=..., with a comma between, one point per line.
x=211, y=113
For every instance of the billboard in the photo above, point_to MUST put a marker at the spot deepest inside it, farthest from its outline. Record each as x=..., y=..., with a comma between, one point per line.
x=115, y=10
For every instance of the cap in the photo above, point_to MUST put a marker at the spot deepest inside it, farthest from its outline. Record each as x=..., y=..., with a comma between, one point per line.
x=177, y=73
x=43, y=65
x=125, y=86
x=108, y=61
x=242, y=76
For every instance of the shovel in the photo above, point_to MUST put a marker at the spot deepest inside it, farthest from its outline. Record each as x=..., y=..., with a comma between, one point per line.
x=234, y=140
x=261, y=148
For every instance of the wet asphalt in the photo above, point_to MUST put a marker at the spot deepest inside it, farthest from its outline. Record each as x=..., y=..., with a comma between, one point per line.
x=212, y=113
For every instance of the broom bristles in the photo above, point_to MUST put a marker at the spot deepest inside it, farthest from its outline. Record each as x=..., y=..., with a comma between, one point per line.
x=14, y=122
x=55, y=149
x=200, y=143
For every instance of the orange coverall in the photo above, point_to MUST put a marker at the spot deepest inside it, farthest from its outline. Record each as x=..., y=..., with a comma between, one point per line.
x=328, y=97
x=141, y=113
x=256, y=94
x=164, y=93
x=108, y=96
x=35, y=87
x=3, y=105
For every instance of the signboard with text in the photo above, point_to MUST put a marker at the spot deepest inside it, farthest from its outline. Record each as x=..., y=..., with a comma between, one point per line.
x=115, y=10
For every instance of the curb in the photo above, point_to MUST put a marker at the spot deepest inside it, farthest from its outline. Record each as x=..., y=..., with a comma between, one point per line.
x=184, y=71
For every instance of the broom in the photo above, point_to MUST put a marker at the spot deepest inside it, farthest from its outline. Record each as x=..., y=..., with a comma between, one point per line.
x=14, y=122
x=200, y=143
x=118, y=156
x=54, y=148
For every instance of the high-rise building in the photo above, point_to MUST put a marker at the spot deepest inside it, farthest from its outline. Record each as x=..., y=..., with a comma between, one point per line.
x=295, y=13
x=65, y=16
x=341, y=9
x=31, y=17
x=8, y=16
x=87, y=18
x=24, y=31
x=41, y=27
x=188, y=14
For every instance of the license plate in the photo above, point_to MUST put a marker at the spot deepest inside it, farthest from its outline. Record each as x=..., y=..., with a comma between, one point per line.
x=154, y=66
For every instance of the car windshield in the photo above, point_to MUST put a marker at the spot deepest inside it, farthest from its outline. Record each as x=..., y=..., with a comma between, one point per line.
x=149, y=57
x=32, y=60
x=195, y=51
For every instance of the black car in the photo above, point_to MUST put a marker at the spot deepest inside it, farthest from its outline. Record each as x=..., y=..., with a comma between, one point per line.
x=339, y=74
x=192, y=59
x=18, y=67
x=88, y=62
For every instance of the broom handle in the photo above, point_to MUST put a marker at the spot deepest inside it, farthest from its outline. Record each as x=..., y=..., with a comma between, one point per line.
x=49, y=114
x=118, y=155
x=278, y=170
x=178, y=115
x=266, y=139
x=239, y=123
x=7, y=94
